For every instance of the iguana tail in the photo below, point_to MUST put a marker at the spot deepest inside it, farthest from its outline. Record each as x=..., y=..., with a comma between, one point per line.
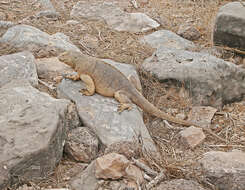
x=146, y=106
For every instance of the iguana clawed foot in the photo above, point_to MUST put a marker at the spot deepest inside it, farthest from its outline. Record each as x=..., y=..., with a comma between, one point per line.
x=85, y=92
x=122, y=107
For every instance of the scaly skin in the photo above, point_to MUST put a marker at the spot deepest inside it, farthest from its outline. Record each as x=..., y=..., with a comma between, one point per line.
x=108, y=81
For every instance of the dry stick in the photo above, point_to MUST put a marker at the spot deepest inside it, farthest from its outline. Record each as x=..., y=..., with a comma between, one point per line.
x=213, y=134
x=46, y=84
x=144, y=167
x=156, y=180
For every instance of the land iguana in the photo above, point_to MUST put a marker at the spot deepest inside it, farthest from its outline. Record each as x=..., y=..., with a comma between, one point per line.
x=106, y=80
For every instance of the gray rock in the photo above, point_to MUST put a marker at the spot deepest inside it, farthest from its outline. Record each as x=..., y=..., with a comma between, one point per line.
x=18, y=66
x=32, y=133
x=182, y=184
x=85, y=180
x=100, y=113
x=229, y=28
x=6, y=24
x=82, y=145
x=210, y=80
x=48, y=14
x=113, y=16
x=24, y=37
x=168, y=39
x=189, y=32
x=46, y=5
x=226, y=170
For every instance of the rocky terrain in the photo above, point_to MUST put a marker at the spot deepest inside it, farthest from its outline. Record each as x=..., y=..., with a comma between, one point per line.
x=187, y=56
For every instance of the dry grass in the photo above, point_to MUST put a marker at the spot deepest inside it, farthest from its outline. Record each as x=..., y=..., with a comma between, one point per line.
x=169, y=97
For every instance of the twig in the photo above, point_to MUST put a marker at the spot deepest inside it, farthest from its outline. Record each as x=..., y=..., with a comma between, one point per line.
x=226, y=145
x=146, y=177
x=144, y=167
x=156, y=180
x=46, y=84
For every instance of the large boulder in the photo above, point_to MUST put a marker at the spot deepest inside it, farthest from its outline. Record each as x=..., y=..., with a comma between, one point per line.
x=32, y=132
x=210, y=81
x=226, y=170
x=100, y=113
x=113, y=16
x=18, y=66
x=24, y=37
x=229, y=28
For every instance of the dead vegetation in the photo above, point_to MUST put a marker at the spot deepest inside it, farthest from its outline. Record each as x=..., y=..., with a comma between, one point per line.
x=171, y=98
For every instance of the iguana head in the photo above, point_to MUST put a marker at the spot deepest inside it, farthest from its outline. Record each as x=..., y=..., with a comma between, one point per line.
x=68, y=57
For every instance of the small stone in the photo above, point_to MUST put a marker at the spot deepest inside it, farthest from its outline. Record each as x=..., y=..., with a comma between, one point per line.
x=111, y=166
x=134, y=173
x=189, y=32
x=181, y=116
x=2, y=16
x=72, y=22
x=192, y=136
x=82, y=144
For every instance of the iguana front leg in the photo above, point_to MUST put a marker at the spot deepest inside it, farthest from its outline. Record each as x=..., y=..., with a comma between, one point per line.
x=90, y=87
x=125, y=102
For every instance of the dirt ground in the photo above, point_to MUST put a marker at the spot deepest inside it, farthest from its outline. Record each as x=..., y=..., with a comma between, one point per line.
x=96, y=39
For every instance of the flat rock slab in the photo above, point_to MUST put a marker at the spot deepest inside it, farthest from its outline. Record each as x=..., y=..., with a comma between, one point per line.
x=180, y=184
x=24, y=37
x=113, y=16
x=18, y=66
x=100, y=113
x=168, y=39
x=229, y=28
x=32, y=132
x=226, y=170
x=210, y=81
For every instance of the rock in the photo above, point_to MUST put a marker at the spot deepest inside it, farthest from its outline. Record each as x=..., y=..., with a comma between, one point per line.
x=180, y=184
x=167, y=39
x=6, y=24
x=210, y=80
x=32, y=133
x=46, y=5
x=134, y=173
x=24, y=37
x=85, y=180
x=3, y=16
x=229, y=28
x=48, y=14
x=18, y=66
x=126, y=148
x=111, y=166
x=189, y=32
x=192, y=136
x=72, y=22
x=202, y=114
x=100, y=113
x=50, y=68
x=113, y=16
x=226, y=170
x=82, y=145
